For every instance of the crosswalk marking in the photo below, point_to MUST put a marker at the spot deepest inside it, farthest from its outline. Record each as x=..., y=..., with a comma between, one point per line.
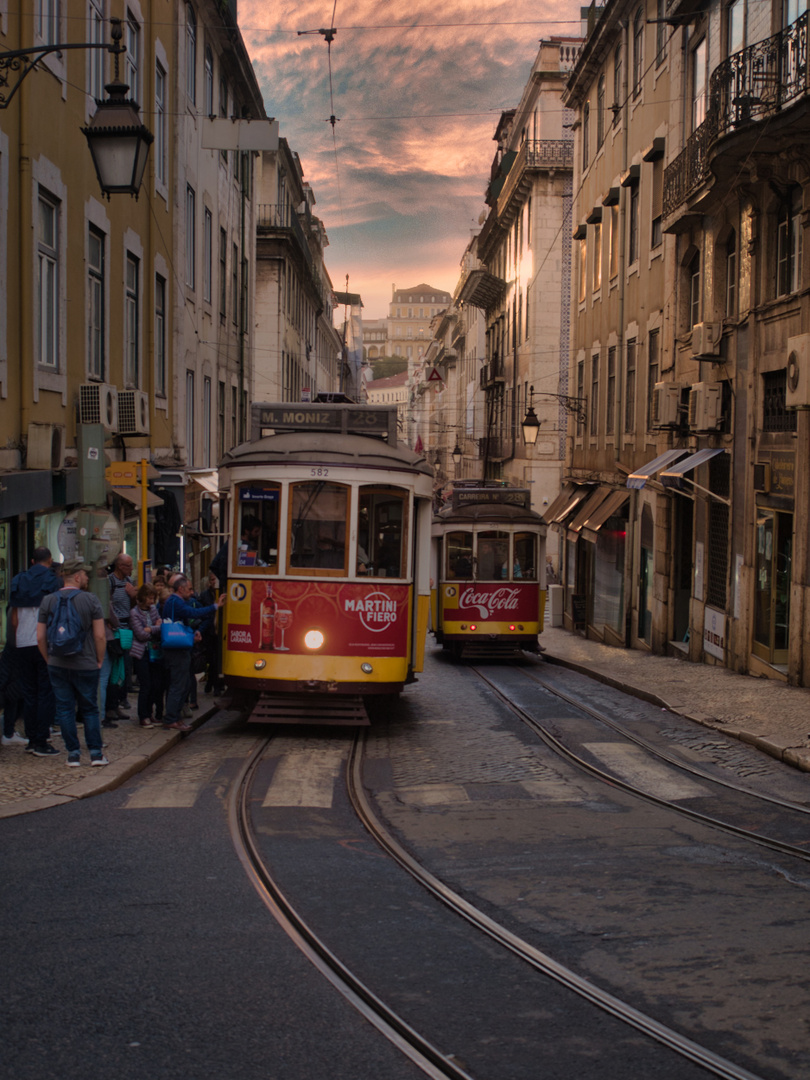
x=634, y=766
x=433, y=794
x=306, y=778
x=165, y=795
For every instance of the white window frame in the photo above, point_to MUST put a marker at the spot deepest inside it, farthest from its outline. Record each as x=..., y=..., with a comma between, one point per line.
x=190, y=457
x=191, y=237
x=161, y=335
x=208, y=254
x=160, y=152
x=132, y=315
x=133, y=55
x=191, y=54
x=96, y=305
x=96, y=58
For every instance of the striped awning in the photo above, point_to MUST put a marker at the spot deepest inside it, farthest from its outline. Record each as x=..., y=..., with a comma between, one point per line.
x=608, y=509
x=639, y=479
x=674, y=477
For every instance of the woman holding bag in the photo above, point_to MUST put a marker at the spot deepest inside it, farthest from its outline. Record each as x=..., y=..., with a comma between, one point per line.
x=145, y=622
x=178, y=639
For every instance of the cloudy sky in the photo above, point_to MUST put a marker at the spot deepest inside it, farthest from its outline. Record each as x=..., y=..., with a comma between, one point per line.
x=418, y=89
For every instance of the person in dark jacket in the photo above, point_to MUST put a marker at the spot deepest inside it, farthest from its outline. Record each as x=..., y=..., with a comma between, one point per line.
x=28, y=590
x=177, y=662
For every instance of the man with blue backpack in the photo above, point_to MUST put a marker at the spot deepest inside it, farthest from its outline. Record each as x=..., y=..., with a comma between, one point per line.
x=71, y=638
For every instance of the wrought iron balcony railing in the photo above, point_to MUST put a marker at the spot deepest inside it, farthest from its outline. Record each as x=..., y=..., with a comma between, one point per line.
x=749, y=86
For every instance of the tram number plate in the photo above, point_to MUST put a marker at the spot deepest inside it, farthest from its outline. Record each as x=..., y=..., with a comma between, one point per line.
x=319, y=472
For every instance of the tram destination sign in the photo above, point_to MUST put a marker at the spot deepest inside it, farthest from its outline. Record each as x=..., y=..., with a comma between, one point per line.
x=497, y=496
x=304, y=416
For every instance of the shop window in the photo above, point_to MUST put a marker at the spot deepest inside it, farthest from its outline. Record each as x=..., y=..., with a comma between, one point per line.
x=382, y=529
x=256, y=545
x=317, y=531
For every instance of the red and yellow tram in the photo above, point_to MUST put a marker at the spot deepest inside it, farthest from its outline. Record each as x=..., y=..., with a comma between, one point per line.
x=329, y=552
x=489, y=566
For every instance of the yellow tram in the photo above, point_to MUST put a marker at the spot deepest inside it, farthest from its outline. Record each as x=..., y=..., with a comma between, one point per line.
x=489, y=566
x=329, y=552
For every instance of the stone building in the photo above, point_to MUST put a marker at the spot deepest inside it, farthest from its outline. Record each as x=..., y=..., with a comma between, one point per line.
x=409, y=315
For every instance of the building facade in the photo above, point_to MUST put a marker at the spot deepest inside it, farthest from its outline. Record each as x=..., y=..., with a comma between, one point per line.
x=693, y=435
x=409, y=315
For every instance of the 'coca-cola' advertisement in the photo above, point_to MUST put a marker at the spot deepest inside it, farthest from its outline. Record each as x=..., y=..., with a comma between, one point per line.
x=355, y=620
x=475, y=601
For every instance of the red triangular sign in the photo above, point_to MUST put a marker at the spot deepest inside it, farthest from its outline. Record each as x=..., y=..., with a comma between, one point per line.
x=434, y=376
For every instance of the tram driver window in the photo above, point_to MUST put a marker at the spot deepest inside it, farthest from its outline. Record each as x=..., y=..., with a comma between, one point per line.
x=524, y=565
x=318, y=528
x=493, y=556
x=381, y=529
x=459, y=547
x=257, y=526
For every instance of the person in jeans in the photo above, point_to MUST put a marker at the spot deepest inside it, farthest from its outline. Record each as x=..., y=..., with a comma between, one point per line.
x=122, y=600
x=177, y=662
x=145, y=623
x=74, y=679
x=28, y=590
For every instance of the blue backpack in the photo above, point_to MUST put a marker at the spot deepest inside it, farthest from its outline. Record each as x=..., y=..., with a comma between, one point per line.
x=66, y=633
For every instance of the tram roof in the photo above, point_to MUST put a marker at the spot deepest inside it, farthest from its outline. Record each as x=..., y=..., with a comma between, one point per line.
x=325, y=448
x=476, y=513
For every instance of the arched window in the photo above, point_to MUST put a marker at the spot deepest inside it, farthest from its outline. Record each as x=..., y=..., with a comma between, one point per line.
x=191, y=53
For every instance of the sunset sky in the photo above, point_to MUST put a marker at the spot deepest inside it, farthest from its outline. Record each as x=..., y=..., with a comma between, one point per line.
x=418, y=89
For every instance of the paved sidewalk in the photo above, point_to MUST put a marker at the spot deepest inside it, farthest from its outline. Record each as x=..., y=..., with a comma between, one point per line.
x=767, y=714
x=29, y=783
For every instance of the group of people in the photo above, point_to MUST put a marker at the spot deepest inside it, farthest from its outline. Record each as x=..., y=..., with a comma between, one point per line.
x=65, y=659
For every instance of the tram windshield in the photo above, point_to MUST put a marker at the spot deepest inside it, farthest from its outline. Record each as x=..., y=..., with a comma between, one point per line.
x=318, y=513
x=524, y=565
x=257, y=526
x=459, y=548
x=381, y=529
x=493, y=556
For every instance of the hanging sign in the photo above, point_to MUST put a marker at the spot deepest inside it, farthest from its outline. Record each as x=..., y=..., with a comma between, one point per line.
x=434, y=376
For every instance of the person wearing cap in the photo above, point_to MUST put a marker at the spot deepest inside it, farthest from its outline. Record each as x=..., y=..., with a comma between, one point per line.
x=74, y=679
x=28, y=589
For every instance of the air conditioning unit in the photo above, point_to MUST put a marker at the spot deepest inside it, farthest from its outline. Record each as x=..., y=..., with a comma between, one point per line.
x=706, y=339
x=797, y=388
x=46, y=446
x=98, y=404
x=705, y=407
x=762, y=476
x=133, y=412
x=666, y=402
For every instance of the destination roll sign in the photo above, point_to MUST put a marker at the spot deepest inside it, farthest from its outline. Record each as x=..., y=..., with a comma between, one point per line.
x=272, y=418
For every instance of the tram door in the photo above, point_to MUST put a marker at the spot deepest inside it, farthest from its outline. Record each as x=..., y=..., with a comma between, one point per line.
x=774, y=542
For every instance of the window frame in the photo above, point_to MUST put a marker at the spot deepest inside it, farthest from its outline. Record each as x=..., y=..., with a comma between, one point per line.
x=96, y=305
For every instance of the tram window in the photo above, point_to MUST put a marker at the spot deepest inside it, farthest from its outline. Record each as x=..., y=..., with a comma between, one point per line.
x=318, y=528
x=459, y=548
x=493, y=556
x=257, y=526
x=525, y=561
x=381, y=529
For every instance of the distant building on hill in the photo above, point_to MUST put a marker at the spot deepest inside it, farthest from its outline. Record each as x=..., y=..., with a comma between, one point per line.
x=409, y=315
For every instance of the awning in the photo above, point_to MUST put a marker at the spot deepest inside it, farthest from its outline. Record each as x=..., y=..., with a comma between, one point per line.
x=596, y=499
x=640, y=478
x=674, y=477
x=611, y=506
x=566, y=502
x=133, y=495
x=207, y=483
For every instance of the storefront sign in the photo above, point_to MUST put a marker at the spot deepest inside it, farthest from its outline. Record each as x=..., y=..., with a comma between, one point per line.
x=783, y=473
x=714, y=633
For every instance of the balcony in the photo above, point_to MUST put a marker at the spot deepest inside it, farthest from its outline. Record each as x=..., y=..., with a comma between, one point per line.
x=282, y=219
x=535, y=155
x=749, y=87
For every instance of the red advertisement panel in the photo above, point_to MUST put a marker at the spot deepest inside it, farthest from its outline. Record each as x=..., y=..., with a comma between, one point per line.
x=476, y=601
x=355, y=620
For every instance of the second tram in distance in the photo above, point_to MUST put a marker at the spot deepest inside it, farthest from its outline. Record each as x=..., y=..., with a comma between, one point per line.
x=489, y=567
x=329, y=552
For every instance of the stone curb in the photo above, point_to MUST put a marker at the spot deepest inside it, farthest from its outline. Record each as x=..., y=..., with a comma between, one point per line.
x=98, y=780
x=787, y=752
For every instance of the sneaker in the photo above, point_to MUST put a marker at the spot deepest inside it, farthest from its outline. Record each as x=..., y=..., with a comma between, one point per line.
x=121, y=713
x=74, y=759
x=178, y=725
x=30, y=748
x=147, y=722
x=108, y=723
x=99, y=759
x=186, y=711
x=125, y=706
x=45, y=751
x=14, y=740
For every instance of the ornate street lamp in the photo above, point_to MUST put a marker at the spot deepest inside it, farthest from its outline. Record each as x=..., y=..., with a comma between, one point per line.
x=530, y=423
x=456, y=455
x=119, y=143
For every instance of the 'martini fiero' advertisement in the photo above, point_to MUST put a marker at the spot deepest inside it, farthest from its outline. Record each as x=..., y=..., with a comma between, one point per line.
x=475, y=601
x=356, y=620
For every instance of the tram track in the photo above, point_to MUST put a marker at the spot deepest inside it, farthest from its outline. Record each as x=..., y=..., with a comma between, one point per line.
x=419, y=1050
x=566, y=753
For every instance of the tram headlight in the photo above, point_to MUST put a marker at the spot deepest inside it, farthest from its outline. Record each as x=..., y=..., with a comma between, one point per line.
x=366, y=668
x=260, y=665
x=313, y=639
